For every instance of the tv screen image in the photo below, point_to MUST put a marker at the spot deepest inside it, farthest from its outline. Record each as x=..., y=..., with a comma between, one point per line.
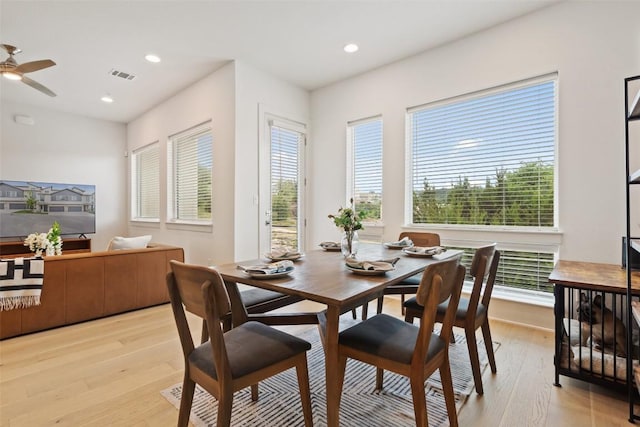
x=32, y=207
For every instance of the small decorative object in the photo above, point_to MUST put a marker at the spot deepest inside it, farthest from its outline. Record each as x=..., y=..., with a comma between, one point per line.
x=37, y=242
x=55, y=240
x=350, y=222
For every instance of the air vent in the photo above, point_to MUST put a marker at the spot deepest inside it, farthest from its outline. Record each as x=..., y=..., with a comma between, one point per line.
x=121, y=74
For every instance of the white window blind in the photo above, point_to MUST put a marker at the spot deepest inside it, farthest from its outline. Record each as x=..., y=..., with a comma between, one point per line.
x=285, y=170
x=145, y=165
x=486, y=159
x=365, y=166
x=190, y=158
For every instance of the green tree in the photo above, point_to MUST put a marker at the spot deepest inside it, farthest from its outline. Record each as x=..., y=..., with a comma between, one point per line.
x=30, y=200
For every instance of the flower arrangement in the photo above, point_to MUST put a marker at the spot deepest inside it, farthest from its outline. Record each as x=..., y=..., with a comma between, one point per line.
x=50, y=242
x=349, y=221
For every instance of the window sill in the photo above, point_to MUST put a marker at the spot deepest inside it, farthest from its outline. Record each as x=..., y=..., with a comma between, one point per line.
x=145, y=222
x=541, y=299
x=201, y=227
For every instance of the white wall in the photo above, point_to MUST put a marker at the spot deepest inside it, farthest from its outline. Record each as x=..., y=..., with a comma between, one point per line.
x=68, y=148
x=592, y=45
x=257, y=92
x=230, y=98
x=211, y=98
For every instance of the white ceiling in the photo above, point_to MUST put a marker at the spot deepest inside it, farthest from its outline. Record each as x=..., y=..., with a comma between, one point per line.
x=298, y=41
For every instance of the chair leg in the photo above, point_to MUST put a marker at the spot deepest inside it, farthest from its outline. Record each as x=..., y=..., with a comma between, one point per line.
x=305, y=393
x=488, y=343
x=475, y=361
x=447, y=388
x=225, y=402
x=188, y=388
x=254, y=392
x=380, y=302
x=342, y=366
x=379, y=378
x=419, y=401
x=354, y=314
x=402, y=309
x=365, y=310
x=408, y=316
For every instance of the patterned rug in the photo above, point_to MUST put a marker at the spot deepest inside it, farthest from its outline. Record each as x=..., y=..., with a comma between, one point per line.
x=279, y=401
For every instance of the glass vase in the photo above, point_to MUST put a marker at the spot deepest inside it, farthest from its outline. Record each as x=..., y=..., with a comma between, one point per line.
x=349, y=243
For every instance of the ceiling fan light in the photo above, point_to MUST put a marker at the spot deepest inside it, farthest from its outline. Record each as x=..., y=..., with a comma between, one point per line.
x=11, y=75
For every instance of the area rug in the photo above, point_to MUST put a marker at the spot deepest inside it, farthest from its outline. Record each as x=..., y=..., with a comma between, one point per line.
x=279, y=401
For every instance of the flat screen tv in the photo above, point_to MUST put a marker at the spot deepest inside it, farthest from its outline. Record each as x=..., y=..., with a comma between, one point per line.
x=32, y=207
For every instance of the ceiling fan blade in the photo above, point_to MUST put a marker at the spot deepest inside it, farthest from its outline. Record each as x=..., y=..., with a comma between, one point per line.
x=34, y=84
x=29, y=67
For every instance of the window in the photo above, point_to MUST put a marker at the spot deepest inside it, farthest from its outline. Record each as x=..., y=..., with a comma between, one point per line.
x=364, y=170
x=486, y=159
x=145, y=182
x=518, y=269
x=287, y=142
x=190, y=159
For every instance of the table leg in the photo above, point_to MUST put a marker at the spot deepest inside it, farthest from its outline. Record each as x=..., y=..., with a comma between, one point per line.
x=331, y=366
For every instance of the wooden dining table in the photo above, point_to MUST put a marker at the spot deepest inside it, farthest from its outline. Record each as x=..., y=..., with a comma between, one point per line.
x=323, y=277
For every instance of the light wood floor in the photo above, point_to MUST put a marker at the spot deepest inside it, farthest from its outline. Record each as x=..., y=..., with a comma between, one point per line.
x=111, y=371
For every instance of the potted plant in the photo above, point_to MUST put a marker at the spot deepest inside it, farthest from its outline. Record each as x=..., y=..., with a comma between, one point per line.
x=350, y=222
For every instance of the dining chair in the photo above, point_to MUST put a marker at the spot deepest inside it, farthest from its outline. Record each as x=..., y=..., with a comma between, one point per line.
x=472, y=312
x=410, y=284
x=229, y=361
x=415, y=352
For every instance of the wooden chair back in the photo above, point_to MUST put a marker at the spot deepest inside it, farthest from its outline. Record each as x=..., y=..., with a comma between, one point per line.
x=421, y=238
x=201, y=291
x=440, y=282
x=480, y=267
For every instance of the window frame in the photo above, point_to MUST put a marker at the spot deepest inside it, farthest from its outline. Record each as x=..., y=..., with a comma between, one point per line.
x=408, y=209
x=135, y=199
x=172, y=214
x=351, y=169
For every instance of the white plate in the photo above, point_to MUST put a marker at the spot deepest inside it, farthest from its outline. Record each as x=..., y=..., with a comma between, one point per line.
x=269, y=276
x=418, y=254
x=284, y=258
x=367, y=272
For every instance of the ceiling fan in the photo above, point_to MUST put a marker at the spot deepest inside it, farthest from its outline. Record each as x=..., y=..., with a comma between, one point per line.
x=10, y=69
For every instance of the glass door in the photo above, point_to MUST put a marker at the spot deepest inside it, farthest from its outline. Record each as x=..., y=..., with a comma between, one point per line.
x=282, y=186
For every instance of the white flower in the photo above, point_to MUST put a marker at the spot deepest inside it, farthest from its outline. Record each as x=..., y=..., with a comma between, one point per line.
x=37, y=242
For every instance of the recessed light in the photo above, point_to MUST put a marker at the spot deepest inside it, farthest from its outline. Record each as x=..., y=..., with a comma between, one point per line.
x=107, y=98
x=351, y=48
x=152, y=58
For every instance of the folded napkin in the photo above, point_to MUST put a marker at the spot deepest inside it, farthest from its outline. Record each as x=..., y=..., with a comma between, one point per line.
x=329, y=245
x=282, y=253
x=272, y=268
x=379, y=265
x=405, y=241
x=450, y=253
x=427, y=250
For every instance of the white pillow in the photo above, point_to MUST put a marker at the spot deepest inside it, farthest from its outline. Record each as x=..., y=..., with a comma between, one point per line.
x=119, y=242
